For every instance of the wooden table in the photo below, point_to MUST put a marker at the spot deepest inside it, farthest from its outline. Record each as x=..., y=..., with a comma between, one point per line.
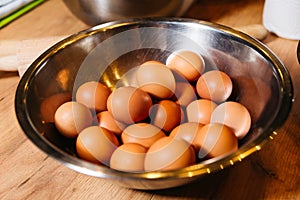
x=28, y=173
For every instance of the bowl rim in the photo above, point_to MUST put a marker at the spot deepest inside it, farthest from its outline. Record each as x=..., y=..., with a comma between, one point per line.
x=206, y=167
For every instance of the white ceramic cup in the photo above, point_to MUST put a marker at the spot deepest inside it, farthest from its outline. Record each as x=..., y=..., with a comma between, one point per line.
x=282, y=17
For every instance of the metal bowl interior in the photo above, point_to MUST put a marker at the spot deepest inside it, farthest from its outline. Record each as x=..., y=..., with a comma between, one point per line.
x=106, y=52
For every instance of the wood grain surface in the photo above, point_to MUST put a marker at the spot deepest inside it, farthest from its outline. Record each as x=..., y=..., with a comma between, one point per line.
x=28, y=173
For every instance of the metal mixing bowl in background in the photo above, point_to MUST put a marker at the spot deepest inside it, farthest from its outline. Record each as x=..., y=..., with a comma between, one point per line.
x=105, y=52
x=94, y=12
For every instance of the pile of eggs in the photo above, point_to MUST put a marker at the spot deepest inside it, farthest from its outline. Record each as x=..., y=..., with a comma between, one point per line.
x=170, y=116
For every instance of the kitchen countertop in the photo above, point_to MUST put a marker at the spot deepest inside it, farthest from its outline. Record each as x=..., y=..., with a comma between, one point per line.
x=28, y=173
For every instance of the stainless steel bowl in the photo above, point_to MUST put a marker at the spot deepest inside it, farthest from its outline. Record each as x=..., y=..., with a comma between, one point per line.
x=106, y=52
x=93, y=12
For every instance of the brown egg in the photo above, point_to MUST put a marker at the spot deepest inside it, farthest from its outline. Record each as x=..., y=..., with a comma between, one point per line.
x=129, y=157
x=106, y=120
x=166, y=115
x=71, y=118
x=234, y=115
x=168, y=153
x=50, y=104
x=200, y=111
x=185, y=93
x=128, y=104
x=186, y=131
x=187, y=63
x=93, y=95
x=142, y=133
x=96, y=144
x=214, y=85
x=215, y=140
x=152, y=62
x=156, y=79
